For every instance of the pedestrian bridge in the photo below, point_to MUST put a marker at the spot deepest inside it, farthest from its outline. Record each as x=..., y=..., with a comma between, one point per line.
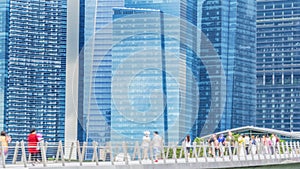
x=124, y=155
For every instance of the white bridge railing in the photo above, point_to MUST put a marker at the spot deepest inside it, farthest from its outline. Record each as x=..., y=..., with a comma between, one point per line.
x=127, y=154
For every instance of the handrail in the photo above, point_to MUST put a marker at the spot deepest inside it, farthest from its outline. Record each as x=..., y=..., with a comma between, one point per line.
x=128, y=154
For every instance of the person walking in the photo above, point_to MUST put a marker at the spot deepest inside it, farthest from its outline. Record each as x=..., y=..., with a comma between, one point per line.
x=146, y=144
x=157, y=145
x=5, y=139
x=32, y=145
x=253, y=144
x=213, y=142
x=247, y=144
x=187, y=145
x=241, y=141
x=230, y=142
x=221, y=143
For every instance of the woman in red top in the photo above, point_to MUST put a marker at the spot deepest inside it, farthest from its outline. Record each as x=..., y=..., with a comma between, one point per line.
x=32, y=144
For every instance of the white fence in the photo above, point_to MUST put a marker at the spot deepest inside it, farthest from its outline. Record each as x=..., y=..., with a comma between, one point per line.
x=127, y=154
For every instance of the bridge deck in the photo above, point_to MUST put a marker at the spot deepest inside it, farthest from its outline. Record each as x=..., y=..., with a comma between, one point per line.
x=231, y=156
x=192, y=163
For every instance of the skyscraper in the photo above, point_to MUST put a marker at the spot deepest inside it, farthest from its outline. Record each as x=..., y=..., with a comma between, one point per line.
x=278, y=64
x=153, y=85
x=34, y=51
x=3, y=55
x=230, y=27
x=152, y=69
x=94, y=86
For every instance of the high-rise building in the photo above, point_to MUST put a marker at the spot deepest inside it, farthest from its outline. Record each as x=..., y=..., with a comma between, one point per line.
x=151, y=69
x=33, y=67
x=4, y=6
x=278, y=64
x=153, y=83
x=94, y=86
x=230, y=26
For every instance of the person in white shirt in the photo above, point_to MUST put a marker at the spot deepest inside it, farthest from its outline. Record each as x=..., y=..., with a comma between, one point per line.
x=187, y=144
x=146, y=144
x=247, y=143
x=157, y=144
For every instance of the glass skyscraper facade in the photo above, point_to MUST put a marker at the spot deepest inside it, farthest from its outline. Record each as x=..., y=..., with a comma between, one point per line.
x=3, y=55
x=278, y=64
x=230, y=26
x=140, y=69
x=94, y=94
x=154, y=83
x=34, y=51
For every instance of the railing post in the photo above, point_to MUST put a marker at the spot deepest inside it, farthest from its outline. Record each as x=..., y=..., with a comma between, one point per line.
x=16, y=153
x=213, y=151
x=283, y=150
x=274, y=150
x=258, y=149
x=194, y=154
x=289, y=144
x=57, y=153
x=287, y=149
x=251, y=151
x=95, y=153
x=244, y=152
x=298, y=148
x=265, y=151
x=151, y=153
x=199, y=151
x=278, y=149
x=84, y=146
x=81, y=153
x=238, y=151
x=186, y=154
x=71, y=151
x=293, y=147
x=174, y=152
x=230, y=151
x=163, y=154
x=125, y=153
x=205, y=152
x=168, y=150
x=181, y=151
x=109, y=148
x=61, y=153
x=221, y=151
x=43, y=153
x=23, y=154
x=234, y=148
x=137, y=151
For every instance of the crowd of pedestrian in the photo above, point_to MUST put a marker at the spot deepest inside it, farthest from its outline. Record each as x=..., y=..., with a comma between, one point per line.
x=244, y=144
x=33, y=140
x=156, y=143
x=219, y=145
